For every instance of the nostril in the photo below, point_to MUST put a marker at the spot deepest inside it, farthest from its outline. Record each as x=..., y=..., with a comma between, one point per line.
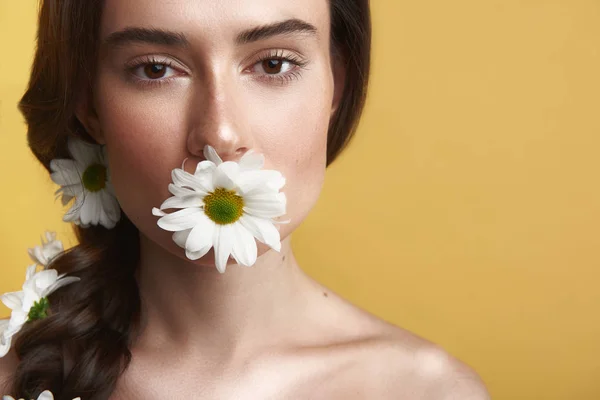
x=241, y=151
x=232, y=155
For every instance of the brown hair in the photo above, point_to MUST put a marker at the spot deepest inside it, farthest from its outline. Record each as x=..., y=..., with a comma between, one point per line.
x=82, y=347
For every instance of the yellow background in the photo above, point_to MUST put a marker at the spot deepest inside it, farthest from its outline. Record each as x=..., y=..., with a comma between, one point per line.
x=468, y=207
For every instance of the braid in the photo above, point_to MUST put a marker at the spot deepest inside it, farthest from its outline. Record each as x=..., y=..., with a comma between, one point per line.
x=82, y=347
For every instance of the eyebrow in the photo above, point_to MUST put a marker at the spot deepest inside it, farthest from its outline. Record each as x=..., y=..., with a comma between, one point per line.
x=287, y=27
x=146, y=35
x=168, y=38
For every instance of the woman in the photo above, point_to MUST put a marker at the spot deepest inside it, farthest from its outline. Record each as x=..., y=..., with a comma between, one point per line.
x=156, y=83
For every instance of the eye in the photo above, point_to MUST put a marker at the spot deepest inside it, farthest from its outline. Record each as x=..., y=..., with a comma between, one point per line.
x=274, y=66
x=278, y=67
x=153, y=70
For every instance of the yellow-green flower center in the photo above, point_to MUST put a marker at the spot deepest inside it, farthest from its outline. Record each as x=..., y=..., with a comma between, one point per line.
x=39, y=309
x=223, y=206
x=94, y=177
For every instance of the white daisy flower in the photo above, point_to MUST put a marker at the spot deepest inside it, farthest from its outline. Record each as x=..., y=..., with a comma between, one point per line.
x=31, y=303
x=4, y=342
x=49, y=249
x=225, y=205
x=45, y=395
x=86, y=178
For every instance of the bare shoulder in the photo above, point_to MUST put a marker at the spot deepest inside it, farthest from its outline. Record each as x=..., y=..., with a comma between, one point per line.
x=8, y=365
x=403, y=365
x=385, y=361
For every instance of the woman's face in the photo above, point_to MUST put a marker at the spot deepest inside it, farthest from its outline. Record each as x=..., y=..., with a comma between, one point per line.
x=174, y=76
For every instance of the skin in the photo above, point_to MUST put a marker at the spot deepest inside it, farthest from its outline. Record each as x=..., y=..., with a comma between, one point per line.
x=267, y=331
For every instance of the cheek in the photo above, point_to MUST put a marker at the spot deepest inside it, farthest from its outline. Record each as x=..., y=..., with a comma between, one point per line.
x=295, y=142
x=145, y=141
x=293, y=126
x=141, y=126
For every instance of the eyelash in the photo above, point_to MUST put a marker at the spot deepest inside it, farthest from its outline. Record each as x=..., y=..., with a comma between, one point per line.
x=288, y=76
x=281, y=79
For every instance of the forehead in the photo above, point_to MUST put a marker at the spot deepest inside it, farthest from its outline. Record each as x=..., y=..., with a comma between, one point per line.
x=217, y=21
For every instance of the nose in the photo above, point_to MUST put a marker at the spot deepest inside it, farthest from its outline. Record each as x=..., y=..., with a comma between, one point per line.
x=218, y=119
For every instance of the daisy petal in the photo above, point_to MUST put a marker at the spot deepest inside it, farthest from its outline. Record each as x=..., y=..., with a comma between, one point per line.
x=49, y=249
x=110, y=205
x=30, y=271
x=3, y=326
x=195, y=255
x=72, y=215
x=30, y=295
x=37, y=255
x=5, y=342
x=50, y=236
x=89, y=209
x=104, y=220
x=252, y=161
x=231, y=169
x=263, y=230
x=82, y=152
x=260, y=180
x=223, y=242
x=180, y=220
x=13, y=300
x=44, y=279
x=65, y=199
x=261, y=213
x=58, y=284
x=270, y=206
x=110, y=189
x=17, y=319
x=183, y=179
x=267, y=197
x=62, y=164
x=110, y=211
x=201, y=235
x=64, y=172
x=71, y=191
x=180, y=237
x=179, y=191
x=97, y=208
x=221, y=179
x=204, y=167
x=266, y=210
x=158, y=213
x=193, y=200
x=211, y=155
x=45, y=395
x=244, y=247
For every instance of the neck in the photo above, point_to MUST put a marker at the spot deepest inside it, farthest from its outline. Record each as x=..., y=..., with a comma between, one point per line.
x=187, y=306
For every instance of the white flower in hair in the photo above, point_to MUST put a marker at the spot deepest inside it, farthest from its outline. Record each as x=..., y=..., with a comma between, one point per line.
x=31, y=303
x=49, y=249
x=86, y=178
x=225, y=205
x=45, y=395
x=4, y=342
